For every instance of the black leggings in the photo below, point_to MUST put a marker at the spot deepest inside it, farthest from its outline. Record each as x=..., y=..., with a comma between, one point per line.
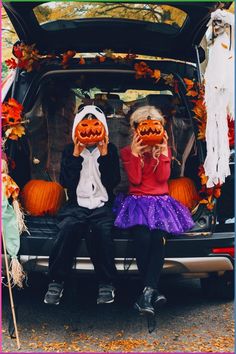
x=149, y=251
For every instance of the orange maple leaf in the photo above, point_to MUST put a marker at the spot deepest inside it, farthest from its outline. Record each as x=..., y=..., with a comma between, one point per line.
x=82, y=61
x=156, y=74
x=189, y=83
x=210, y=206
x=217, y=192
x=15, y=132
x=192, y=93
x=198, y=110
x=142, y=70
x=102, y=58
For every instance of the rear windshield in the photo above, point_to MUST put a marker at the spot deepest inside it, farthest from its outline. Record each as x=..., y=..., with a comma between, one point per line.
x=72, y=10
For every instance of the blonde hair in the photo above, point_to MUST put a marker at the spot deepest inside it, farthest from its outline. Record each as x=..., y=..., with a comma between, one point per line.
x=147, y=112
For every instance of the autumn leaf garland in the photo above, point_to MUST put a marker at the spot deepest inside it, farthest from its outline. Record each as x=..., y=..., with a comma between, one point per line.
x=207, y=194
x=196, y=91
x=30, y=59
x=12, y=122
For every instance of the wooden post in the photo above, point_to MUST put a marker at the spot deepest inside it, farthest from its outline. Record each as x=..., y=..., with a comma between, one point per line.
x=10, y=292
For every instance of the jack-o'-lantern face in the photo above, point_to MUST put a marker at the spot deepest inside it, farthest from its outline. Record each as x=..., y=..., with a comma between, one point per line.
x=150, y=131
x=90, y=131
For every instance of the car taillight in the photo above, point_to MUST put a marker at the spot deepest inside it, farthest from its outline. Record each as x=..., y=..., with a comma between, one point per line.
x=224, y=250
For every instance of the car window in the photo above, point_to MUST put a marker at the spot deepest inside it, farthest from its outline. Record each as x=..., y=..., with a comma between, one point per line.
x=71, y=10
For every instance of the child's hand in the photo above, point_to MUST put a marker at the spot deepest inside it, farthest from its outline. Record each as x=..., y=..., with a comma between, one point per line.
x=102, y=146
x=164, y=145
x=78, y=147
x=136, y=146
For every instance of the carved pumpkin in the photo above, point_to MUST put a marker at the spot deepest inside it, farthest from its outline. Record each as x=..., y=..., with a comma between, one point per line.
x=90, y=131
x=42, y=197
x=150, y=131
x=184, y=191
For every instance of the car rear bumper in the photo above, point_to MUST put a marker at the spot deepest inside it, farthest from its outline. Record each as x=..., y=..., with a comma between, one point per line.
x=199, y=267
x=190, y=256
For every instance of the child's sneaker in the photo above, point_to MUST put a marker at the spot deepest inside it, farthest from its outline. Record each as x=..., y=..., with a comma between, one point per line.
x=159, y=300
x=54, y=293
x=106, y=294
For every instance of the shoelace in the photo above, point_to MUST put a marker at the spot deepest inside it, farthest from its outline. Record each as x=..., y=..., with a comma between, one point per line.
x=106, y=290
x=54, y=289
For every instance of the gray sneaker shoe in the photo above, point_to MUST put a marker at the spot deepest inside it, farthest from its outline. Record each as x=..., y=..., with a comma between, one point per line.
x=54, y=293
x=159, y=300
x=106, y=294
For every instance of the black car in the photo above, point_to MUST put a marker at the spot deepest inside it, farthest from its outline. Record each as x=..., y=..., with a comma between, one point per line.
x=103, y=74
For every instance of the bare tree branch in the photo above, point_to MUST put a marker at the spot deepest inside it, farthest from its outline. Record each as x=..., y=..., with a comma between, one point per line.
x=104, y=9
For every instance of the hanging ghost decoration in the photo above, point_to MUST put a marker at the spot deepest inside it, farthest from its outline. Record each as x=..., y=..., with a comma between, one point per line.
x=219, y=95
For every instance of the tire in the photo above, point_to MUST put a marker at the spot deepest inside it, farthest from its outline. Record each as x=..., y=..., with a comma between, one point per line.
x=219, y=287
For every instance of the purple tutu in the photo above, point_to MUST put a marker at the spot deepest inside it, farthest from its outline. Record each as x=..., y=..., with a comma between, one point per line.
x=156, y=212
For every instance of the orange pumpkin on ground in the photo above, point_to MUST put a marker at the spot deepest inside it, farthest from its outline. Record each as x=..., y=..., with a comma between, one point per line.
x=90, y=131
x=150, y=131
x=183, y=189
x=42, y=197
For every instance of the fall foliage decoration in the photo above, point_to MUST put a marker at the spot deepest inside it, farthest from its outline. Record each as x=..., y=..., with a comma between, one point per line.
x=90, y=131
x=184, y=190
x=28, y=57
x=12, y=120
x=150, y=131
x=41, y=197
x=230, y=132
x=142, y=70
x=197, y=92
x=208, y=194
x=121, y=342
x=11, y=112
x=66, y=58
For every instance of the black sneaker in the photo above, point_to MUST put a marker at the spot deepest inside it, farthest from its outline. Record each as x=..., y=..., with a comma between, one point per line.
x=144, y=304
x=159, y=300
x=106, y=294
x=54, y=293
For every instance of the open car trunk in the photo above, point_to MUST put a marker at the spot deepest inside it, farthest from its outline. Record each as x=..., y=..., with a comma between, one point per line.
x=51, y=97
x=56, y=95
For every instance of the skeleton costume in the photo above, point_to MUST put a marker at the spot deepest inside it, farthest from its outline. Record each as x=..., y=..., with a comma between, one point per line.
x=90, y=180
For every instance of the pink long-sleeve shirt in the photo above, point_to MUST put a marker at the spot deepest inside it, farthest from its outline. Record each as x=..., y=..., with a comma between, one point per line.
x=149, y=178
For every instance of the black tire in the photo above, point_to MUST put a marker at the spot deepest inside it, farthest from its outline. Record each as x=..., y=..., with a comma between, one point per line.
x=219, y=287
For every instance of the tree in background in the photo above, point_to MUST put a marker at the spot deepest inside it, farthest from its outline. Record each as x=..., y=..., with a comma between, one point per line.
x=9, y=36
x=144, y=12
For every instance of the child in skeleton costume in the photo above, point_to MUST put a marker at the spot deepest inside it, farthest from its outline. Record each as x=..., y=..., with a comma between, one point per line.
x=148, y=210
x=89, y=173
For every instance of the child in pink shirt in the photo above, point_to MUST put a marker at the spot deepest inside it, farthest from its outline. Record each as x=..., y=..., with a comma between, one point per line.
x=148, y=210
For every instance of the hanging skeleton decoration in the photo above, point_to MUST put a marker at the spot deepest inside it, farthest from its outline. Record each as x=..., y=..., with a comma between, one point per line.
x=219, y=95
